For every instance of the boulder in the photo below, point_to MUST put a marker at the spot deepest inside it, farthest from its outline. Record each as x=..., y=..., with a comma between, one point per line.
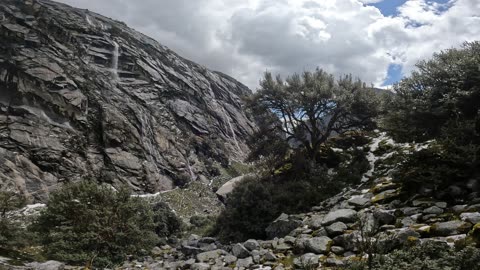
x=200, y=266
x=246, y=262
x=210, y=255
x=282, y=226
x=359, y=201
x=433, y=210
x=450, y=228
x=251, y=245
x=383, y=217
x=348, y=240
x=48, y=265
x=228, y=187
x=472, y=217
x=306, y=261
x=336, y=228
x=239, y=251
x=230, y=259
x=319, y=245
x=341, y=215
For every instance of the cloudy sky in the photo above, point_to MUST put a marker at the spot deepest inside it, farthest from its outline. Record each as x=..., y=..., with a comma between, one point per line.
x=377, y=40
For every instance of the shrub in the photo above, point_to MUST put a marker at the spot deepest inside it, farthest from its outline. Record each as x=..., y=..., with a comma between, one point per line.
x=257, y=201
x=12, y=234
x=94, y=225
x=435, y=167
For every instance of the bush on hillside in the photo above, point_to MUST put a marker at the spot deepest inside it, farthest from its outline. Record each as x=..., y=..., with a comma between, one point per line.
x=295, y=188
x=440, y=101
x=12, y=234
x=93, y=225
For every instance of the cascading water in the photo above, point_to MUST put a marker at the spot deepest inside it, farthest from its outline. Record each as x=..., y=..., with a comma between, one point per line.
x=88, y=20
x=148, y=140
x=232, y=131
x=115, y=59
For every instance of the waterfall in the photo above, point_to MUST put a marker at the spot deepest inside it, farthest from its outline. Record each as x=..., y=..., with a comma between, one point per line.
x=232, y=131
x=193, y=177
x=89, y=21
x=115, y=60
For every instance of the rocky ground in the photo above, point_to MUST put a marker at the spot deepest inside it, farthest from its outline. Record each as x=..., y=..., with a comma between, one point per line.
x=336, y=231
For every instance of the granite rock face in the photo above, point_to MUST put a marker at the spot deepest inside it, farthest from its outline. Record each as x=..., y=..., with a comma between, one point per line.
x=84, y=96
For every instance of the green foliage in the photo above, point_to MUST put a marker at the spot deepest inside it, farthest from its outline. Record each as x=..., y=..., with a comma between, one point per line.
x=256, y=202
x=443, y=92
x=305, y=110
x=12, y=234
x=429, y=256
x=440, y=101
x=88, y=224
x=297, y=186
x=436, y=167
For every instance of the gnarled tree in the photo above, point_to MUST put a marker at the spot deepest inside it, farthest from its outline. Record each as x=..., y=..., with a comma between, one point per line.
x=313, y=106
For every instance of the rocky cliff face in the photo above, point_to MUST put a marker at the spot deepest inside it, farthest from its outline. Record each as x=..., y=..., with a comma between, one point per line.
x=84, y=96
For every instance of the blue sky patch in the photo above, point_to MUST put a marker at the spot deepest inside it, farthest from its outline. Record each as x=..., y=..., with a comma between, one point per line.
x=389, y=7
x=394, y=74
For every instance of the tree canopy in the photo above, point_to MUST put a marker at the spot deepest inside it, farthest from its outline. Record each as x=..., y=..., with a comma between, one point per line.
x=305, y=110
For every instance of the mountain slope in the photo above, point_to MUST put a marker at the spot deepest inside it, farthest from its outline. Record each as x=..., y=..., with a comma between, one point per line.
x=84, y=96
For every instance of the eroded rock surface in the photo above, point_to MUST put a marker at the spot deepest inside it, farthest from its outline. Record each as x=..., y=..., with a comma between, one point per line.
x=84, y=96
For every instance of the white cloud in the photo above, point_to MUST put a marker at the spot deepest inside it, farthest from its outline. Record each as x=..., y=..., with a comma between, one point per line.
x=244, y=38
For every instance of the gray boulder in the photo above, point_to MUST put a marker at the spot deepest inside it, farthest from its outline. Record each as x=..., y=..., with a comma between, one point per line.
x=336, y=228
x=319, y=245
x=282, y=226
x=433, y=210
x=48, y=265
x=306, y=261
x=359, y=202
x=246, y=262
x=251, y=245
x=200, y=266
x=342, y=215
x=239, y=251
x=473, y=217
x=210, y=255
x=383, y=217
x=450, y=228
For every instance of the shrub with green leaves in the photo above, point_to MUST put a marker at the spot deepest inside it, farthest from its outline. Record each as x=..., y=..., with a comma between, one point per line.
x=440, y=101
x=88, y=224
x=12, y=234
